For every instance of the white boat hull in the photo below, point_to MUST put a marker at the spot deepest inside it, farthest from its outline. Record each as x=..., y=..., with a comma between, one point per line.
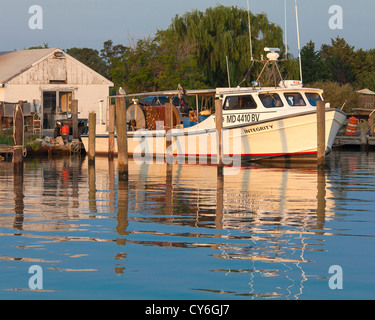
x=291, y=137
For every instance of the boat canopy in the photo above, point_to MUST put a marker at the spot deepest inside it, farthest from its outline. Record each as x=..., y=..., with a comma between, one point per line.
x=199, y=92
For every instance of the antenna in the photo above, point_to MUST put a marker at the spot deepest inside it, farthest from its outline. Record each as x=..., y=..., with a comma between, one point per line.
x=299, y=45
x=251, y=46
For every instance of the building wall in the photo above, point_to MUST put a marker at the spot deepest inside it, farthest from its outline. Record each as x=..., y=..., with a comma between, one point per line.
x=60, y=74
x=14, y=93
x=59, y=69
x=87, y=96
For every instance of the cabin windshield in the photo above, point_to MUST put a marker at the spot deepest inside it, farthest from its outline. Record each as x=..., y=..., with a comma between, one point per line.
x=271, y=100
x=313, y=97
x=240, y=102
x=294, y=99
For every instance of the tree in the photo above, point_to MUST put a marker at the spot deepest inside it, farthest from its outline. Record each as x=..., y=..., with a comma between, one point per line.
x=89, y=57
x=339, y=58
x=313, y=67
x=338, y=95
x=176, y=63
x=44, y=46
x=223, y=32
x=111, y=55
x=364, y=70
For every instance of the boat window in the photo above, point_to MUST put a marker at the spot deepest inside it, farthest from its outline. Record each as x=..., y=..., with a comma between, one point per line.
x=271, y=100
x=240, y=102
x=313, y=98
x=294, y=99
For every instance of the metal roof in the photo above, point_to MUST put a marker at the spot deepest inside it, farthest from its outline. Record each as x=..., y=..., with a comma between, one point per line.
x=16, y=62
x=366, y=91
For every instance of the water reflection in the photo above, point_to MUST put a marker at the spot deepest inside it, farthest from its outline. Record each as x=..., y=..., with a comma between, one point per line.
x=262, y=225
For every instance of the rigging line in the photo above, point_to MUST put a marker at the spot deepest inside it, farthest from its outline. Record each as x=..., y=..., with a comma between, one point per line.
x=247, y=73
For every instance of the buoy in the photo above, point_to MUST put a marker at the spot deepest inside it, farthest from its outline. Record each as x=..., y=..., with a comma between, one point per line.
x=352, y=126
x=65, y=130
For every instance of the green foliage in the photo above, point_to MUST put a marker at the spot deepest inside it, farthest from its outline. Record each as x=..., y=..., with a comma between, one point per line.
x=339, y=59
x=313, y=66
x=223, y=32
x=338, y=95
x=6, y=137
x=89, y=57
x=44, y=46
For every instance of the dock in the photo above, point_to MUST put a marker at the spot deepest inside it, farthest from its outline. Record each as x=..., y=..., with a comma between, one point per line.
x=6, y=151
x=361, y=139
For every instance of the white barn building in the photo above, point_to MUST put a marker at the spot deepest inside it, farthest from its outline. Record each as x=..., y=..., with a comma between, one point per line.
x=52, y=79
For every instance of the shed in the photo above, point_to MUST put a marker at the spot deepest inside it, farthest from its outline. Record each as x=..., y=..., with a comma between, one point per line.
x=50, y=79
x=366, y=98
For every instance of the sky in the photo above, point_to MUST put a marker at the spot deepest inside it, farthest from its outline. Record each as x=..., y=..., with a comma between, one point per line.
x=89, y=23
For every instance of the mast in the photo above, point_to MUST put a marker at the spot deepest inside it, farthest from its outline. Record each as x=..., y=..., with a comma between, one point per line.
x=285, y=33
x=251, y=45
x=299, y=45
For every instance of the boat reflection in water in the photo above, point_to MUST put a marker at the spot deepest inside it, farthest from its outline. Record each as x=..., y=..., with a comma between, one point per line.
x=259, y=215
x=258, y=222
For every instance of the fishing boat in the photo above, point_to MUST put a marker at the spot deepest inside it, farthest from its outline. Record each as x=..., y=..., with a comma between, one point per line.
x=277, y=123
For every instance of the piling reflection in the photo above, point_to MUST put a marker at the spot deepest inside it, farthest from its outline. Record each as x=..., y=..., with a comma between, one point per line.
x=18, y=198
x=92, y=187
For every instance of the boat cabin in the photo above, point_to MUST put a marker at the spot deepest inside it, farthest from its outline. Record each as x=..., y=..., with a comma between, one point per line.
x=240, y=105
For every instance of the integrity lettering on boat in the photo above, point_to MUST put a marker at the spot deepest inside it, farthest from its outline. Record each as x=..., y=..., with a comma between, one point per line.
x=258, y=129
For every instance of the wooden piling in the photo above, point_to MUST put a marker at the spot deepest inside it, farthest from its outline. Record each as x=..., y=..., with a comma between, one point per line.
x=371, y=123
x=92, y=136
x=111, y=132
x=219, y=129
x=321, y=133
x=18, y=133
x=122, y=138
x=75, y=119
x=168, y=129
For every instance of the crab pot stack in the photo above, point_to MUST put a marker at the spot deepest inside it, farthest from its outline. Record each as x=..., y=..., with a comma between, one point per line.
x=153, y=114
x=157, y=113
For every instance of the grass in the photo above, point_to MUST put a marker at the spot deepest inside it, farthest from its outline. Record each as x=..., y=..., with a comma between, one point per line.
x=6, y=137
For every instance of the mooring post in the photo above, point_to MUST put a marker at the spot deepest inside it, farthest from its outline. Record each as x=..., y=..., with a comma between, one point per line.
x=168, y=130
x=122, y=138
x=321, y=133
x=111, y=132
x=18, y=133
x=371, y=123
x=92, y=136
x=219, y=129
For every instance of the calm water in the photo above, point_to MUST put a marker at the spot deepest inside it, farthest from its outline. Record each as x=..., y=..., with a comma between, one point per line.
x=263, y=233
